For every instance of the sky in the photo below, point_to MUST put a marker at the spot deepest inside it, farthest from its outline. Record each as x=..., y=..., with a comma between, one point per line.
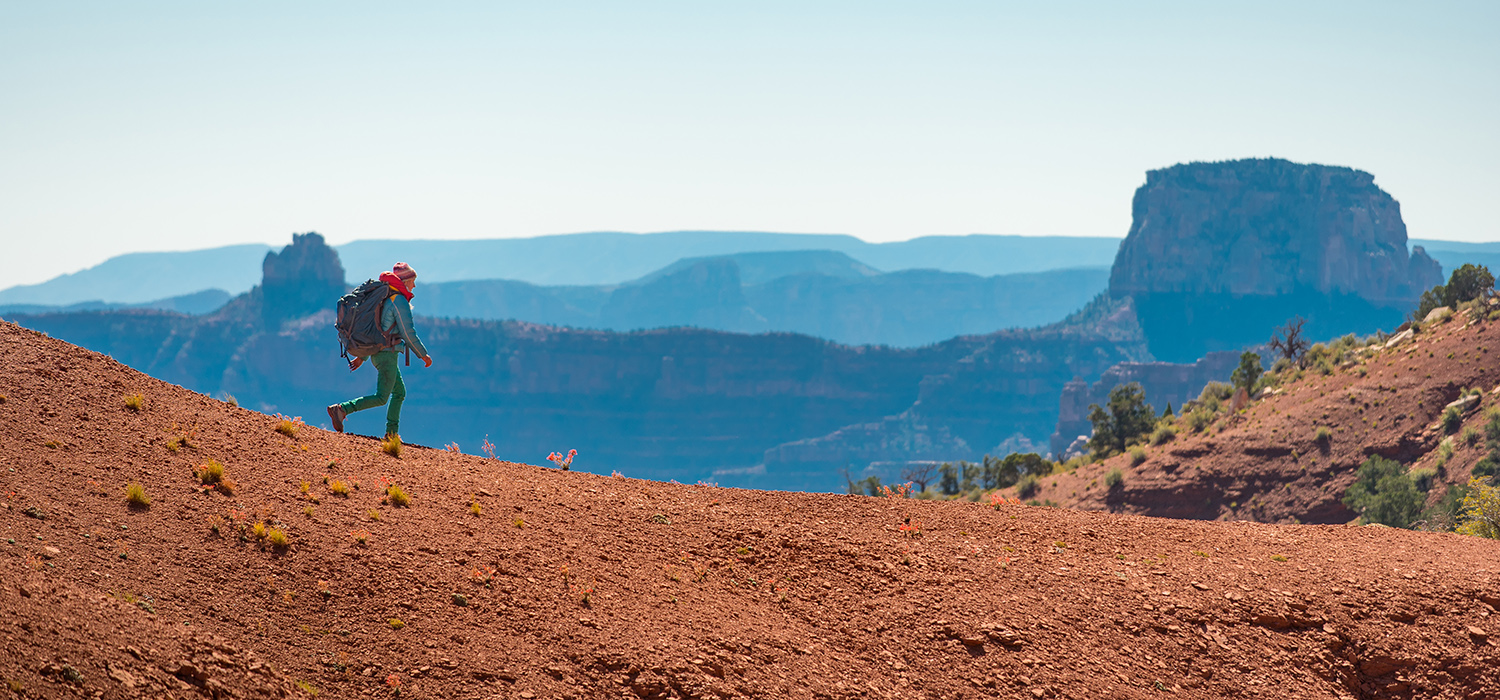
x=135, y=126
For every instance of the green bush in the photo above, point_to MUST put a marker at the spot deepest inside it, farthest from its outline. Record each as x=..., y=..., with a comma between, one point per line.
x=1128, y=419
x=1137, y=455
x=1027, y=486
x=1323, y=435
x=1383, y=492
x=1467, y=283
x=1249, y=371
x=1198, y=419
x=1452, y=419
x=1443, y=515
x=1470, y=437
x=1164, y=433
x=1481, y=515
x=1114, y=478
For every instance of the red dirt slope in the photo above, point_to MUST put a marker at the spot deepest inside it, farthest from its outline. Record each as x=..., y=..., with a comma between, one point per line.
x=1266, y=464
x=570, y=585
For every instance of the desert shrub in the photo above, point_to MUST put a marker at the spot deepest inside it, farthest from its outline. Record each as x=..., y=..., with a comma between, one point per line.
x=1323, y=435
x=396, y=623
x=1164, y=433
x=228, y=398
x=397, y=496
x=1128, y=419
x=1443, y=515
x=391, y=445
x=1422, y=479
x=288, y=426
x=276, y=537
x=1137, y=455
x=1114, y=478
x=1481, y=511
x=1485, y=468
x=1215, y=393
x=1452, y=419
x=947, y=479
x=258, y=530
x=1249, y=371
x=338, y=488
x=1198, y=419
x=1004, y=473
x=1467, y=283
x=1027, y=486
x=1445, y=448
x=135, y=494
x=1470, y=437
x=1383, y=492
x=135, y=402
x=210, y=472
x=475, y=509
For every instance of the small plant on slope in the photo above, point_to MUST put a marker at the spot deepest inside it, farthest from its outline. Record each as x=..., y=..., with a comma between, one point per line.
x=1114, y=478
x=563, y=462
x=135, y=494
x=397, y=496
x=288, y=426
x=1452, y=419
x=391, y=445
x=135, y=402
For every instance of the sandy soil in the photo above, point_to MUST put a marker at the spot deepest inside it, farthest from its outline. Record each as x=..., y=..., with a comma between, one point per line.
x=571, y=585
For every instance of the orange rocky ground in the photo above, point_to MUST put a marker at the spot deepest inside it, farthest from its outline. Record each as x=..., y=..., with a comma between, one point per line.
x=570, y=585
x=1266, y=464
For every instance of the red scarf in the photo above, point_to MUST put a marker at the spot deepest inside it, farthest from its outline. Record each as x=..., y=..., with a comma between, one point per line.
x=396, y=283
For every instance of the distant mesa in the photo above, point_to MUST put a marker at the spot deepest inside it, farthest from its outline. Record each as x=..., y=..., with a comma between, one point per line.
x=1219, y=253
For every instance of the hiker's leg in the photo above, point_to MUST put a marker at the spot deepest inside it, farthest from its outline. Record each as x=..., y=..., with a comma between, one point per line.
x=389, y=374
x=393, y=412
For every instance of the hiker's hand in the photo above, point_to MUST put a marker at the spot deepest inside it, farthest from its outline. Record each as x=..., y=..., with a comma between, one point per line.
x=427, y=361
x=355, y=363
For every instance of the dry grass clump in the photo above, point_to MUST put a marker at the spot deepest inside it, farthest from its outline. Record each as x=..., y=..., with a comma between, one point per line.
x=396, y=623
x=475, y=508
x=258, y=530
x=288, y=426
x=135, y=494
x=210, y=472
x=277, y=537
x=397, y=496
x=391, y=445
x=135, y=402
x=338, y=488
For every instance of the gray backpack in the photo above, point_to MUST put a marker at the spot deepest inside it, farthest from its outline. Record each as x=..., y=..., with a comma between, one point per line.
x=358, y=321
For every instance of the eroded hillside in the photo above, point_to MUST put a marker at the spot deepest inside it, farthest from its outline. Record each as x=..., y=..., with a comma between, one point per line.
x=1291, y=455
x=502, y=579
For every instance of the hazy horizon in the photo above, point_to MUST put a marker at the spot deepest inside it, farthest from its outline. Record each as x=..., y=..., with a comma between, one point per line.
x=160, y=126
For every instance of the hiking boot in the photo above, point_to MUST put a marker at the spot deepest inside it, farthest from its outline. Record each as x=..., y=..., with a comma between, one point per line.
x=337, y=415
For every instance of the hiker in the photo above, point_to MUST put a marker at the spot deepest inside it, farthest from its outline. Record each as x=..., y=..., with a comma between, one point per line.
x=396, y=324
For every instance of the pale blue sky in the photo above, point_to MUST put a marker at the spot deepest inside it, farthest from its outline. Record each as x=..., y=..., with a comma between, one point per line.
x=129, y=126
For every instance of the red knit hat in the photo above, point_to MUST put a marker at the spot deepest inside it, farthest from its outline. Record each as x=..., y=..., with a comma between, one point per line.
x=404, y=271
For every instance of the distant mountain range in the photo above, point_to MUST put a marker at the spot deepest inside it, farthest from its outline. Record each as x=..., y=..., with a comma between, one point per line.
x=590, y=259
x=820, y=293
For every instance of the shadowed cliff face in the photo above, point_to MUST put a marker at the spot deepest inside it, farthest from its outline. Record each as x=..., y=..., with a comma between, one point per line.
x=300, y=280
x=1218, y=254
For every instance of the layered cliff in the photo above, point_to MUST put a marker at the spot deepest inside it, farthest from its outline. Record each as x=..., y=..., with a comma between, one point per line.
x=1218, y=254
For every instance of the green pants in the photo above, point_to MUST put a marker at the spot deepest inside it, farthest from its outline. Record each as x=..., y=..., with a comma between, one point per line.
x=388, y=387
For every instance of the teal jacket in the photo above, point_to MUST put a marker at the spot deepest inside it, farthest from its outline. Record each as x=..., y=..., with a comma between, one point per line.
x=396, y=318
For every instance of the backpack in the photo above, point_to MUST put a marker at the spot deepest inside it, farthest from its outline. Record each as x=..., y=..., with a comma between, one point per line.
x=358, y=321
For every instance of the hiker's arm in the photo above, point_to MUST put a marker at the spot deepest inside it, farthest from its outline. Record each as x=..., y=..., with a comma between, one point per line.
x=406, y=329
